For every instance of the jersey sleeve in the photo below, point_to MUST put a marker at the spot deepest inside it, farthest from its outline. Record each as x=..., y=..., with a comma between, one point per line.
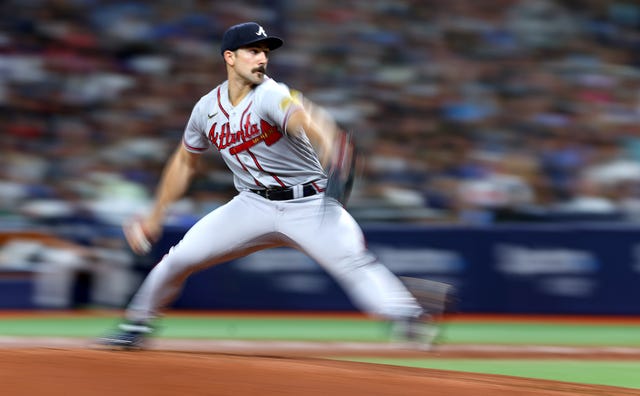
x=195, y=138
x=281, y=104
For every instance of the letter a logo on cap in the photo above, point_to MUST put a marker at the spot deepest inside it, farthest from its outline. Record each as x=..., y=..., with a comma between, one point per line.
x=261, y=32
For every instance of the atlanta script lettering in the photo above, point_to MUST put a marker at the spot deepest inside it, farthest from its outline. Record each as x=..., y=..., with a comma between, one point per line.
x=248, y=136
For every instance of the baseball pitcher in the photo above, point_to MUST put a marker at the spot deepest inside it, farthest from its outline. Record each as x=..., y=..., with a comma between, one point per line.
x=280, y=152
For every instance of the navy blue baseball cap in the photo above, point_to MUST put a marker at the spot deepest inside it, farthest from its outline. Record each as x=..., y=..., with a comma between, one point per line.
x=245, y=34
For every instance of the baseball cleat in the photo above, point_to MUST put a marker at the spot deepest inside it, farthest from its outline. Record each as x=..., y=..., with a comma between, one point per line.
x=128, y=336
x=419, y=332
x=436, y=299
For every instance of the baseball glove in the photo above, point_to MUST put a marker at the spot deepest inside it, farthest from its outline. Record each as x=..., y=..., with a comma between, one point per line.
x=342, y=169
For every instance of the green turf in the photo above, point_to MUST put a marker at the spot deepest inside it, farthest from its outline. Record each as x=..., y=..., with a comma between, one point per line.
x=612, y=373
x=328, y=329
x=54, y=327
x=543, y=334
x=275, y=329
x=210, y=327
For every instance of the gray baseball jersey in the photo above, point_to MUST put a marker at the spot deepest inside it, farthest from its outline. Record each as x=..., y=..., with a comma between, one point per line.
x=252, y=138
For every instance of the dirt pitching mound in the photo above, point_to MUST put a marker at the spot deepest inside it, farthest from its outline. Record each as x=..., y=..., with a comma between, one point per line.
x=68, y=369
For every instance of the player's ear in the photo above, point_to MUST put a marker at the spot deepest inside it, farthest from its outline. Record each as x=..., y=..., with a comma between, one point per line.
x=229, y=57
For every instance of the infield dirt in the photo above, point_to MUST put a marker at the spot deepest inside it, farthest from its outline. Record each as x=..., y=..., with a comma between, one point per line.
x=193, y=367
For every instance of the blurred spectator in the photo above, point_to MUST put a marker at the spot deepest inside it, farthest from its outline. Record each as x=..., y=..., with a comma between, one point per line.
x=464, y=109
x=58, y=263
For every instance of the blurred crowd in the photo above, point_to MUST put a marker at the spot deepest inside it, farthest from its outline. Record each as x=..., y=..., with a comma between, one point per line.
x=466, y=111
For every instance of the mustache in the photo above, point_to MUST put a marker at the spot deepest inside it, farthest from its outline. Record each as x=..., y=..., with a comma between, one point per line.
x=260, y=69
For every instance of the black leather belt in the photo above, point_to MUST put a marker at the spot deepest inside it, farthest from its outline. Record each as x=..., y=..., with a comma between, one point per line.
x=284, y=194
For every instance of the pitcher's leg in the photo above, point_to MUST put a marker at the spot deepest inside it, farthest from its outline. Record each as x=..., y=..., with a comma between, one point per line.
x=335, y=241
x=160, y=287
x=233, y=230
x=371, y=286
